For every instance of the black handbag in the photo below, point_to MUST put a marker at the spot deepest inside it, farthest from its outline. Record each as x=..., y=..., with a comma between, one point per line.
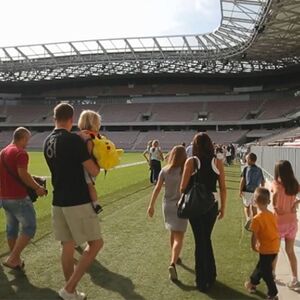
x=195, y=200
x=30, y=191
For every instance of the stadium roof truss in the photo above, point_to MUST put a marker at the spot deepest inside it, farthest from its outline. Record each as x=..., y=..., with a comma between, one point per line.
x=254, y=35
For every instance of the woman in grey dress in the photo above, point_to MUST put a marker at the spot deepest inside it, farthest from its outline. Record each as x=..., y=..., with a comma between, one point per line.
x=170, y=175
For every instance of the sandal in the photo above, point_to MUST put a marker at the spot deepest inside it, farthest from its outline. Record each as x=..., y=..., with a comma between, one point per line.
x=15, y=268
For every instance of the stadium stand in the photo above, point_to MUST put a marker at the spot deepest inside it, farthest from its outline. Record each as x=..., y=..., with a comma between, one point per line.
x=122, y=139
x=274, y=108
x=176, y=111
x=26, y=113
x=123, y=112
x=231, y=110
x=167, y=139
x=262, y=133
x=280, y=138
x=5, y=137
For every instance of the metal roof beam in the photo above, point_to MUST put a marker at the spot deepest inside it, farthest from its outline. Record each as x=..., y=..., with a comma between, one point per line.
x=48, y=51
x=159, y=47
x=75, y=49
x=130, y=47
x=222, y=41
x=239, y=20
x=7, y=54
x=21, y=52
x=242, y=36
x=201, y=42
x=187, y=43
x=241, y=29
x=248, y=2
x=227, y=36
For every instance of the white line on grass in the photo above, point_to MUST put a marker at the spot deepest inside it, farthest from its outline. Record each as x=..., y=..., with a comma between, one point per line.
x=119, y=167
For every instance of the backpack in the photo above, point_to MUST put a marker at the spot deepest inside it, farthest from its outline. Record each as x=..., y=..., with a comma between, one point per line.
x=105, y=152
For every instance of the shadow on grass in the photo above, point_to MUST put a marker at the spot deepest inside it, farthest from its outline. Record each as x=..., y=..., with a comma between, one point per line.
x=221, y=291
x=115, y=282
x=184, y=286
x=16, y=285
x=132, y=190
x=185, y=267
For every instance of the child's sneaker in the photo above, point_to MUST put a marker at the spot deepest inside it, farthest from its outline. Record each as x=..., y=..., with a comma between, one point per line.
x=294, y=284
x=251, y=288
x=172, y=272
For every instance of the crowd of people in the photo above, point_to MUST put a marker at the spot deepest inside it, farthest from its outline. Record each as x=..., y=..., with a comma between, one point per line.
x=74, y=202
x=267, y=227
x=73, y=174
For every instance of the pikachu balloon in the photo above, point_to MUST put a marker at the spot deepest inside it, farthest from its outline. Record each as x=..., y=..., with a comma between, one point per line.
x=105, y=153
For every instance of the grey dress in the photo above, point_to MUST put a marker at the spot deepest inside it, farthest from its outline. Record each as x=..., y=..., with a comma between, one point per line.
x=172, y=179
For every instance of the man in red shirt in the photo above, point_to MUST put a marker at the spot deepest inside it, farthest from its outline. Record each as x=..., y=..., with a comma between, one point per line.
x=13, y=194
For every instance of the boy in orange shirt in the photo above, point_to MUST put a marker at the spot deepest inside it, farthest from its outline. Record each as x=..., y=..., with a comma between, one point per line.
x=265, y=241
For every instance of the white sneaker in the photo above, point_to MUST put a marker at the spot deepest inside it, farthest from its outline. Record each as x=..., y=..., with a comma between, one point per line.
x=294, y=284
x=63, y=294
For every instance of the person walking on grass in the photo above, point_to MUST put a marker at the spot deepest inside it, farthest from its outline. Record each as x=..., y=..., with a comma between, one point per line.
x=211, y=171
x=284, y=188
x=73, y=218
x=18, y=207
x=156, y=157
x=170, y=175
x=251, y=178
x=265, y=241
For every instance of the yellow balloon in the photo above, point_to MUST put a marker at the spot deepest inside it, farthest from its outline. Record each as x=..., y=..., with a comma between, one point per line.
x=105, y=153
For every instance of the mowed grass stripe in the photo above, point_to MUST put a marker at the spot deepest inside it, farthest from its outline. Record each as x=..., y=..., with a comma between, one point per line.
x=134, y=261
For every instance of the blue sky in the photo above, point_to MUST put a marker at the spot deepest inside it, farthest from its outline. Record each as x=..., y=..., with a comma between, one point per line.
x=43, y=21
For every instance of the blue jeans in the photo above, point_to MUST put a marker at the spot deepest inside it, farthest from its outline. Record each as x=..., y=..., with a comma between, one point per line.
x=19, y=212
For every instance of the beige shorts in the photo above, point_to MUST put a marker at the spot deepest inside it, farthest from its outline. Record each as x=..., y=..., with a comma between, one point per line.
x=76, y=223
x=248, y=199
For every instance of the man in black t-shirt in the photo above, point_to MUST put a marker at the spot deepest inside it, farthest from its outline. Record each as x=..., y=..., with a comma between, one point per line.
x=74, y=220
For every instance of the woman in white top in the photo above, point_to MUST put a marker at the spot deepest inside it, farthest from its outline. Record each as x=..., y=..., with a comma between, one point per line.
x=156, y=157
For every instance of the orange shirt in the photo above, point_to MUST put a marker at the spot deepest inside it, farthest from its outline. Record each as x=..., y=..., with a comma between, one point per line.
x=264, y=225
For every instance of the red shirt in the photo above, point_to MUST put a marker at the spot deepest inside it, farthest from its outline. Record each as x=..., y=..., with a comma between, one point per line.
x=15, y=158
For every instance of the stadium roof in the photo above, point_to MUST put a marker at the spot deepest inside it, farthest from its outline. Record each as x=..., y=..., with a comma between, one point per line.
x=254, y=35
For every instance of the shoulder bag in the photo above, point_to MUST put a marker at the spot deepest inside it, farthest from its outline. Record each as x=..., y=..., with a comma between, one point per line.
x=195, y=200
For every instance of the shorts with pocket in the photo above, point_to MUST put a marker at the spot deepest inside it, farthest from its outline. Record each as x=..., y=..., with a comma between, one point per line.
x=20, y=218
x=248, y=199
x=76, y=223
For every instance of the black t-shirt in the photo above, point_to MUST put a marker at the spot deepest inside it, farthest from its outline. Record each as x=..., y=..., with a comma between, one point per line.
x=65, y=152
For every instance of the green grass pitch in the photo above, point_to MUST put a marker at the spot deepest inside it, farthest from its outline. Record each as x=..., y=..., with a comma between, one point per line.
x=134, y=261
